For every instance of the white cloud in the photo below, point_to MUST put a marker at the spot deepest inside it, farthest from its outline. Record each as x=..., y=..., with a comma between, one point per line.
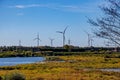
x=19, y=6
x=70, y=6
x=85, y=8
x=28, y=6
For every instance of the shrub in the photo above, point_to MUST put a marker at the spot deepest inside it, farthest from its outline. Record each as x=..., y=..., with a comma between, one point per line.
x=14, y=76
x=52, y=58
x=0, y=78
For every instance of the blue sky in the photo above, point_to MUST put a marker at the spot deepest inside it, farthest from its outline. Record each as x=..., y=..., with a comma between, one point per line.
x=23, y=19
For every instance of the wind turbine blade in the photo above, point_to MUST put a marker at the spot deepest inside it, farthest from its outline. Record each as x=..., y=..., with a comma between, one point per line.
x=39, y=39
x=59, y=32
x=34, y=39
x=65, y=29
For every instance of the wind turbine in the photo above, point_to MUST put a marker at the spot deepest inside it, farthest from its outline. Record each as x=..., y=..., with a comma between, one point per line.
x=90, y=39
x=19, y=43
x=37, y=39
x=63, y=33
x=51, y=42
x=69, y=42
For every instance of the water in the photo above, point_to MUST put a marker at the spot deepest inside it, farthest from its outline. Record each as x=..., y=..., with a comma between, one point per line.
x=112, y=69
x=19, y=60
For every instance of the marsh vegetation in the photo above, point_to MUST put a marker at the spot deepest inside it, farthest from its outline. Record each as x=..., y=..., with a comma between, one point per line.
x=76, y=67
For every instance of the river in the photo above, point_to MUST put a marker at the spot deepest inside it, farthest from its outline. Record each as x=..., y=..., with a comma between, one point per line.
x=19, y=60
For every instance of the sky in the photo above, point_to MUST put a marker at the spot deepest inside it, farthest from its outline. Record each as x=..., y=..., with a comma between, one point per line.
x=23, y=19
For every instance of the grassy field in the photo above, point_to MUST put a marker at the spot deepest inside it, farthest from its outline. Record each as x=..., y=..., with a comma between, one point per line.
x=80, y=67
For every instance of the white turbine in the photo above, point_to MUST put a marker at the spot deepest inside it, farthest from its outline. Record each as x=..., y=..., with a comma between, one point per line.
x=37, y=39
x=63, y=33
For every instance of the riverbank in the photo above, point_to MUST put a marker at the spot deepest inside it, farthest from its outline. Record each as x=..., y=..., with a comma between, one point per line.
x=73, y=68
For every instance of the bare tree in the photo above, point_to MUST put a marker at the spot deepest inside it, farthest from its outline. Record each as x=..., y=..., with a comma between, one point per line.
x=108, y=26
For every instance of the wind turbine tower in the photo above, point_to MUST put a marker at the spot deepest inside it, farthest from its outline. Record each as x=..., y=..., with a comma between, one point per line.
x=51, y=42
x=89, y=39
x=37, y=39
x=69, y=42
x=19, y=43
x=63, y=33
